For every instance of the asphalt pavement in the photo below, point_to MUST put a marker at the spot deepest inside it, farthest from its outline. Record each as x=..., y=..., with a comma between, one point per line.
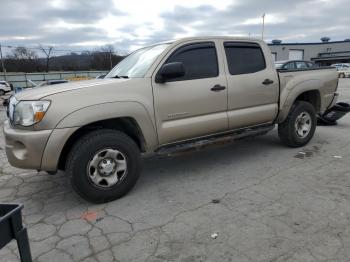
x=251, y=200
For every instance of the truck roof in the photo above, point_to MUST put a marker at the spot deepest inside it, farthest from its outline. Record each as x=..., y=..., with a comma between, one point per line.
x=194, y=38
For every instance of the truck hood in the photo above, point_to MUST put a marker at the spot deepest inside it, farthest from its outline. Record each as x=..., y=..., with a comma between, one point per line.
x=41, y=92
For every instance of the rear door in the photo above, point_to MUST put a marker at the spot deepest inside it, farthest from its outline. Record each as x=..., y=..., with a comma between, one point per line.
x=253, y=86
x=192, y=106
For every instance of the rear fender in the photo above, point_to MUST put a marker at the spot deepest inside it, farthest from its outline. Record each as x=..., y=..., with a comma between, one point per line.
x=290, y=93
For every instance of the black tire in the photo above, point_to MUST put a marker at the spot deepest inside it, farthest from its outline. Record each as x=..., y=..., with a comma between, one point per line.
x=2, y=92
x=85, y=149
x=341, y=75
x=287, y=130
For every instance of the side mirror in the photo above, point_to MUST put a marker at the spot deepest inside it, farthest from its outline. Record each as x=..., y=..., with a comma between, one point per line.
x=169, y=71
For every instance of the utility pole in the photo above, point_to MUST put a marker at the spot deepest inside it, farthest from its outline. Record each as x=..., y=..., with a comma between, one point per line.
x=263, y=26
x=47, y=52
x=2, y=63
x=110, y=58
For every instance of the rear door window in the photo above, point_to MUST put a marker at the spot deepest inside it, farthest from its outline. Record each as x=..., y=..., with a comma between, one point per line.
x=244, y=58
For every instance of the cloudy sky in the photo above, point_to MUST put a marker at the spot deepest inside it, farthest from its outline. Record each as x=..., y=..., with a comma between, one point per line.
x=129, y=24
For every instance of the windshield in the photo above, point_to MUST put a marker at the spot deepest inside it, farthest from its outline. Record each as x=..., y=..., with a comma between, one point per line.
x=137, y=63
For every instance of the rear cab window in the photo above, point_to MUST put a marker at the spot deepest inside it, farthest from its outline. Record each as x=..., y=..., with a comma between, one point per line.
x=244, y=58
x=199, y=60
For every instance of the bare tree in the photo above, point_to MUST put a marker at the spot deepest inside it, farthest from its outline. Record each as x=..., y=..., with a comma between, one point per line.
x=47, y=51
x=21, y=53
x=108, y=50
x=104, y=58
x=23, y=59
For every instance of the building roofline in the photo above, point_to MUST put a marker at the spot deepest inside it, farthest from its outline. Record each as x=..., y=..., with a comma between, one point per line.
x=329, y=58
x=312, y=43
x=337, y=52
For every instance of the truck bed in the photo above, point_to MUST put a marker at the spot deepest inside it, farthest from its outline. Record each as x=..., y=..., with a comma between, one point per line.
x=324, y=79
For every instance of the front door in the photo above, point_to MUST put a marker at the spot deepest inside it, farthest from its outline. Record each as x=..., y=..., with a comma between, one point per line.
x=195, y=104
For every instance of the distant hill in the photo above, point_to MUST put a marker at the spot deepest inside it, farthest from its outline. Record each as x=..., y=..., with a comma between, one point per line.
x=70, y=62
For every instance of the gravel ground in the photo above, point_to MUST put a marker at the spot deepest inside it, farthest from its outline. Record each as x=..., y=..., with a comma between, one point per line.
x=252, y=200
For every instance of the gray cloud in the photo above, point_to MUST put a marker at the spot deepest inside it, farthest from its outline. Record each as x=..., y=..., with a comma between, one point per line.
x=32, y=19
x=312, y=18
x=82, y=11
x=296, y=21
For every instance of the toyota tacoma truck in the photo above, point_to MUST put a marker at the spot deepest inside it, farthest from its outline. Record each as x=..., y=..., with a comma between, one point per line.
x=165, y=96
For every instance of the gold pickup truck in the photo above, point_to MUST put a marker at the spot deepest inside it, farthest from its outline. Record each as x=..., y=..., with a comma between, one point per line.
x=162, y=97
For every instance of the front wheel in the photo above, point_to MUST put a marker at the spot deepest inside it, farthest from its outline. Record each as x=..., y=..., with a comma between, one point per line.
x=2, y=92
x=299, y=127
x=104, y=165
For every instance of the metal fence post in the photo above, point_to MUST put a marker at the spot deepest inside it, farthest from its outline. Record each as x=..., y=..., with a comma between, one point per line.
x=25, y=77
x=2, y=63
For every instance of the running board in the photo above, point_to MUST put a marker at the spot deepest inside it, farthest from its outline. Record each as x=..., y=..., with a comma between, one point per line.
x=221, y=138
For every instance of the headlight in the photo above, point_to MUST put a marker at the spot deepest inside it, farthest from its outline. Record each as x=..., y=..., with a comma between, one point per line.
x=27, y=113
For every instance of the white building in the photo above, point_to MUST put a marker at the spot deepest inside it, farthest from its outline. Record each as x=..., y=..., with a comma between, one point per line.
x=322, y=53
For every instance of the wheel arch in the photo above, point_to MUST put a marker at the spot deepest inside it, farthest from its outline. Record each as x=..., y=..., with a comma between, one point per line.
x=311, y=96
x=307, y=91
x=129, y=117
x=127, y=125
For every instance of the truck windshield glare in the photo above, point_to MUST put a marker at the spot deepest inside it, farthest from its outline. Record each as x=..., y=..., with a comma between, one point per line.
x=138, y=62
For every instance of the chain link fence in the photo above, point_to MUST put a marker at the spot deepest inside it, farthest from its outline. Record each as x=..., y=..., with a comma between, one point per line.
x=21, y=79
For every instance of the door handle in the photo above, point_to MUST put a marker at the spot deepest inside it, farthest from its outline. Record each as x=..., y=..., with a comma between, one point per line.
x=218, y=88
x=267, y=82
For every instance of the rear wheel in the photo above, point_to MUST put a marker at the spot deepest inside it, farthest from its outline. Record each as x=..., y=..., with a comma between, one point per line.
x=104, y=165
x=299, y=127
x=341, y=75
x=2, y=92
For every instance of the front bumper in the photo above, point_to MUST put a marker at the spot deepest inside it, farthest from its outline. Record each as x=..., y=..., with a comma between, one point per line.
x=24, y=148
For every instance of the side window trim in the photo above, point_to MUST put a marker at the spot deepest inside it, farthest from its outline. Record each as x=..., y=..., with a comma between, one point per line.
x=243, y=44
x=186, y=47
x=201, y=45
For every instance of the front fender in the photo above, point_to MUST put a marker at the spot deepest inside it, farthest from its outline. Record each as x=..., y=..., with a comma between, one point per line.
x=104, y=111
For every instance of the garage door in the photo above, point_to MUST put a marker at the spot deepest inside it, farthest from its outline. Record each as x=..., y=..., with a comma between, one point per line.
x=296, y=54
